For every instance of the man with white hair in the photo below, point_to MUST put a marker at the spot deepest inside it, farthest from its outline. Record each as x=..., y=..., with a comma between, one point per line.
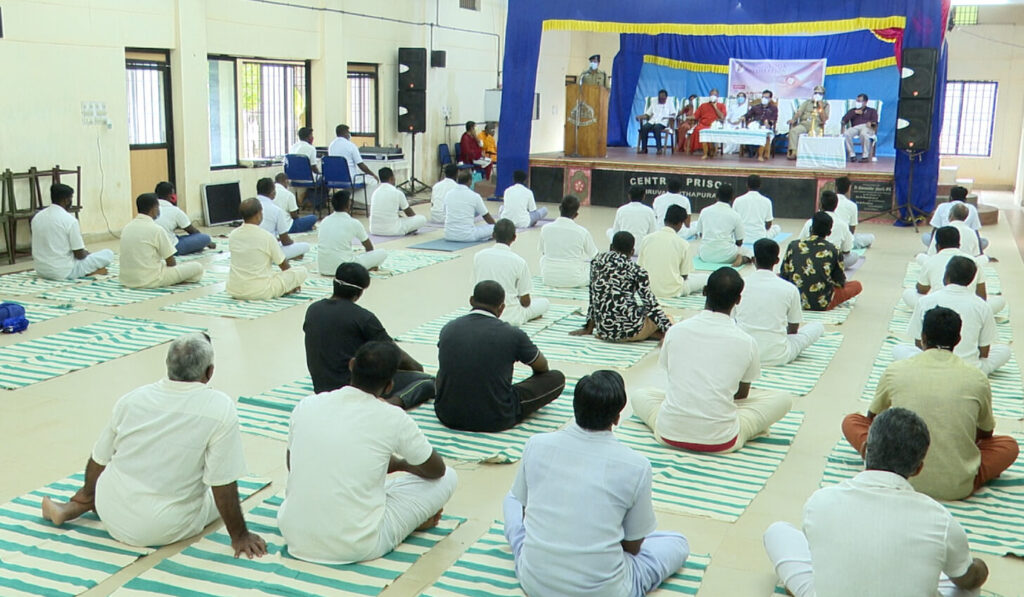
x=168, y=461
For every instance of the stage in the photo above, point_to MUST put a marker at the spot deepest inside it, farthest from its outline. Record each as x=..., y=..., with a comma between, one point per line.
x=605, y=181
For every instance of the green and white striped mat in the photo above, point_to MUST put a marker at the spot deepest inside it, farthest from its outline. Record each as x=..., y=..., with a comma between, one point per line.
x=40, y=312
x=901, y=319
x=579, y=294
x=993, y=517
x=835, y=316
x=717, y=486
x=800, y=376
x=557, y=345
x=269, y=414
x=25, y=363
x=37, y=558
x=992, y=283
x=1007, y=390
x=25, y=283
x=220, y=304
x=428, y=333
x=487, y=569
x=207, y=568
x=111, y=293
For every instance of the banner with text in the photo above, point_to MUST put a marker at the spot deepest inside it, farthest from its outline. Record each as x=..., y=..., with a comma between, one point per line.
x=791, y=79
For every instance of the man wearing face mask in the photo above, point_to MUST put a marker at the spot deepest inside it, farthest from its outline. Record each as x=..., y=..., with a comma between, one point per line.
x=734, y=119
x=686, y=122
x=766, y=114
x=706, y=114
x=811, y=116
x=862, y=122
x=594, y=75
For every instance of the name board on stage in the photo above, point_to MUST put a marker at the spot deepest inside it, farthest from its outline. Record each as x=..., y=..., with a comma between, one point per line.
x=872, y=196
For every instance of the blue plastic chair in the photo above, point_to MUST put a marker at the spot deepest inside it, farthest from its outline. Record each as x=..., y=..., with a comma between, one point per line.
x=337, y=176
x=445, y=152
x=300, y=175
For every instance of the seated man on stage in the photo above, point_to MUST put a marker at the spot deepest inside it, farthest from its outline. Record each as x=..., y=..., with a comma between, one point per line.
x=734, y=119
x=566, y=248
x=766, y=114
x=254, y=252
x=462, y=205
x=472, y=151
x=488, y=142
x=848, y=210
x=756, y=211
x=147, y=255
x=840, y=237
x=388, y=205
x=685, y=122
x=711, y=362
x=815, y=267
x=860, y=121
x=707, y=113
x=168, y=461
x=623, y=307
x=668, y=260
x=810, y=118
x=656, y=119
x=501, y=264
x=721, y=230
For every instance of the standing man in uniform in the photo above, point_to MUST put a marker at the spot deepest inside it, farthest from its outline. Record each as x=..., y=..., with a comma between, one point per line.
x=594, y=75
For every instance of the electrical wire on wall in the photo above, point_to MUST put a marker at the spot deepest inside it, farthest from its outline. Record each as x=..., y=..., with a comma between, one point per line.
x=103, y=180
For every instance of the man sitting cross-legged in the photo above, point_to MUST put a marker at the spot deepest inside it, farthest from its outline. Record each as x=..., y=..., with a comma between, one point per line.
x=439, y=191
x=622, y=306
x=955, y=400
x=285, y=199
x=337, y=234
x=476, y=354
x=520, y=205
x=848, y=211
x=840, y=235
x=941, y=217
x=672, y=196
x=721, y=231
x=254, y=252
x=390, y=214
x=815, y=267
x=276, y=221
x=172, y=219
x=462, y=205
x=770, y=311
x=336, y=327
x=933, y=272
x=147, y=255
x=566, y=248
x=873, y=534
x=168, y=462
x=968, y=238
x=57, y=246
x=635, y=217
x=667, y=258
x=757, y=212
x=361, y=475
x=978, y=331
x=500, y=264
x=711, y=362
x=560, y=516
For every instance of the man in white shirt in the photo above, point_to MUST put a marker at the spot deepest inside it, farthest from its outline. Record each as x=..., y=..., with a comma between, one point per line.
x=735, y=117
x=304, y=146
x=462, y=205
x=873, y=534
x=500, y=264
x=634, y=217
x=756, y=212
x=847, y=210
x=147, y=255
x=566, y=248
x=770, y=311
x=610, y=546
x=667, y=258
x=519, y=205
x=336, y=235
x=940, y=218
x=440, y=191
x=285, y=199
x=658, y=116
x=364, y=461
x=172, y=219
x=388, y=205
x=933, y=272
x=721, y=230
x=673, y=197
x=57, y=246
x=840, y=237
x=254, y=252
x=276, y=221
x=711, y=363
x=968, y=237
x=168, y=461
x=978, y=328
x=358, y=171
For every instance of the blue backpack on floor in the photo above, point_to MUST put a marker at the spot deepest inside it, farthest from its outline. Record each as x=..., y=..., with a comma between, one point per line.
x=12, y=318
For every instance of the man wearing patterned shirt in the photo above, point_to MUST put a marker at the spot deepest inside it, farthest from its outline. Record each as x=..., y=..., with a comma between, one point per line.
x=622, y=306
x=815, y=266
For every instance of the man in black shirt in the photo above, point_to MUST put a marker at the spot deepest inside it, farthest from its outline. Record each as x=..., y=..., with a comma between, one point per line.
x=336, y=327
x=476, y=355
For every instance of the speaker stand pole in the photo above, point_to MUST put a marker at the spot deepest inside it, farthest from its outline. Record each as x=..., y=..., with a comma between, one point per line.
x=410, y=185
x=908, y=205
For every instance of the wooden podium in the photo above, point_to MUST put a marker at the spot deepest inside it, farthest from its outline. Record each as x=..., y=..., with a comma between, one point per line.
x=587, y=105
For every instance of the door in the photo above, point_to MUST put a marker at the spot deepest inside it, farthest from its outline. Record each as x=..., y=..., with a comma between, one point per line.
x=148, y=78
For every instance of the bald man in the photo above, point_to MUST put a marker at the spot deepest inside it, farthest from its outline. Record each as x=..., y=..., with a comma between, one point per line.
x=254, y=251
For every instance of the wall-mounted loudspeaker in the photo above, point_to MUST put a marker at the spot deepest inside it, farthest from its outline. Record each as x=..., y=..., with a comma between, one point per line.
x=438, y=59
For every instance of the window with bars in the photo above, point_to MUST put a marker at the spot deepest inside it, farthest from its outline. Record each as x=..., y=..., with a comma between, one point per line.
x=968, y=118
x=965, y=15
x=271, y=107
x=147, y=110
x=362, y=103
x=470, y=4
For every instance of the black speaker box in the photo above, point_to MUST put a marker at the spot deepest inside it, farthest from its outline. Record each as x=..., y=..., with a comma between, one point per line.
x=914, y=124
x=412, y=69
x=438, y=59
x=414, y=104
x=919, y=66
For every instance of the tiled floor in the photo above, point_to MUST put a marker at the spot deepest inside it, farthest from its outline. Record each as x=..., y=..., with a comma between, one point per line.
x=49, y=428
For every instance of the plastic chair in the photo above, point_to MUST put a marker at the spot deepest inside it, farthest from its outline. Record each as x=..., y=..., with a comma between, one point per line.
x=668, y=134
x=338, y=176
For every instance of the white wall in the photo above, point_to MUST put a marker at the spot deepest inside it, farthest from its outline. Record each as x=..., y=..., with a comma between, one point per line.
x=58, y=53
x=987, y=52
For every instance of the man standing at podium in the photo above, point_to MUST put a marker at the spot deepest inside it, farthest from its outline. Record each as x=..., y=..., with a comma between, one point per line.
x=594, y=75
x=658, y=117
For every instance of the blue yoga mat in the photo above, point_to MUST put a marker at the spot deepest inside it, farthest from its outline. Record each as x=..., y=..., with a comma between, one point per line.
x=447, y=245
x=780, y=238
